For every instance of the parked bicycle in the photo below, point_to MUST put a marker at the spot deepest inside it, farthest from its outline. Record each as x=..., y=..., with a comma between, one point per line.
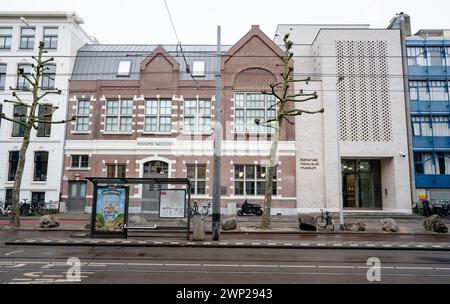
x=194, y=209
x=5, y=208
x=206, y=209
x=427, y=208
x=324, y=220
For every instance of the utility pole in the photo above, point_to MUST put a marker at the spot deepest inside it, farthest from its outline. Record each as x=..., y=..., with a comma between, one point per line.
x=339, y=162
x=217, y=146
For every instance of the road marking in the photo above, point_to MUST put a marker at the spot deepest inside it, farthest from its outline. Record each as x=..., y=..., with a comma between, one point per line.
x=190, y=243
x=206, y=243
x=437, y=246
x=223, y=243
x=297, y=266
x=33, y=274
x=271, y=244
x=15, y=266
x=122, y=264
x=22, y=279
x=47, y=266
x=370, y=245
x=184, y=265
x=338, y=245
x=304, y=244
x=265, y=266
x=256, y=243
x=419, y=246
x=52, y=276
x=12, y=252
x=96, y=264
x=414, y=268
x=353, y=245
x=157, y=242
x=441, y=268
x=239, y=243
x=336, y=267
x=220, y=265
x=288, y=244
x=320, y=244
x=386, y=245
x=145, y=264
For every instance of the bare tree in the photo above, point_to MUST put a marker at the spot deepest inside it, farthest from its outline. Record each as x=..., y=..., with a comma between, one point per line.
x=284, y=99
x=28, y=119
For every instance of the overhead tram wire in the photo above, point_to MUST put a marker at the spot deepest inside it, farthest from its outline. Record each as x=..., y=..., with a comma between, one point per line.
x=188, y=69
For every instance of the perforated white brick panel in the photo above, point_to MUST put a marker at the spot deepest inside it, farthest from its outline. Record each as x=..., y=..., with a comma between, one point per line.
x=364, y=92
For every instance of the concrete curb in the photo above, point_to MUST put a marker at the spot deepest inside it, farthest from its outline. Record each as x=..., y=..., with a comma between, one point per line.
x=61, y=229
x=348, y=245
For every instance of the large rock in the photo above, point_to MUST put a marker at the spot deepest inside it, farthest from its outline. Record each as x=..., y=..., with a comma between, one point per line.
x=358, y=226
x=389, y=225
x=229, y=223
x=434, y=223
x=48, y=221
x=137, y=220
x=306, y=222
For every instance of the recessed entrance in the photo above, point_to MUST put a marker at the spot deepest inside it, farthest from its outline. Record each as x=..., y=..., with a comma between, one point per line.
x=361, y=184
x=150, y=192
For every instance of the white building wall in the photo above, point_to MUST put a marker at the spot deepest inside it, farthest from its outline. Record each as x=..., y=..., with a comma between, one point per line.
x=68, y=29
x=316, y=135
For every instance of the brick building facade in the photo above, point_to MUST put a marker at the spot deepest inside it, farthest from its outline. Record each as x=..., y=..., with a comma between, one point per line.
x=140, y=114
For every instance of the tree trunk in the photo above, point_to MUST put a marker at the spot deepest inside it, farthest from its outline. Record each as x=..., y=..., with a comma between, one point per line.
x=266, y=219
x=15, y=212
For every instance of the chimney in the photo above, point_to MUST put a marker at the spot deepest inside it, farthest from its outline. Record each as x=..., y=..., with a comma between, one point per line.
x=255, y=27
x=396, y=23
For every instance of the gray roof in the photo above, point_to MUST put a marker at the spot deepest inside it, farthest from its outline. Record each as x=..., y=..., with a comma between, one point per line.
x=101, y=61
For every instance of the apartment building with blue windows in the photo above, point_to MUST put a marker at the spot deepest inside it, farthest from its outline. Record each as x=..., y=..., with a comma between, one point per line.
x=428, y=57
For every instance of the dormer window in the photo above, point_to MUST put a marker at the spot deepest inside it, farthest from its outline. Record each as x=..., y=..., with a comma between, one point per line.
x=124, y=68
x=198, y=68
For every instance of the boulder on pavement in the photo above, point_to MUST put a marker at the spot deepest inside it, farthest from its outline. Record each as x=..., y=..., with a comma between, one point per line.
x=137, y=220
x=358, y=226
x=306, y=222
x=48, y=221
x=229, y=223
x=389, y=225
x=434, y=223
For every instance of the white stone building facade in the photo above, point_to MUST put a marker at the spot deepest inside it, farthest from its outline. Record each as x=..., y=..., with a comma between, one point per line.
x=20, y=34
x=360, y=142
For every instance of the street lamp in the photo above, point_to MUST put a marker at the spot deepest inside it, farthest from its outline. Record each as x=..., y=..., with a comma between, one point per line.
x=338, y=148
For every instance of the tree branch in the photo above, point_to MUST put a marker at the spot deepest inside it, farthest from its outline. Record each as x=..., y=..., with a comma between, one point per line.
x=302, y=100
x=58, y=92
x=301, y=80
x=20, y=103
x=3, y=116
x=57, y=121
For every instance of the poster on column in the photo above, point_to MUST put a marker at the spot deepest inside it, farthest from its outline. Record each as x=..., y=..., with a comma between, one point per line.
x=172, y=203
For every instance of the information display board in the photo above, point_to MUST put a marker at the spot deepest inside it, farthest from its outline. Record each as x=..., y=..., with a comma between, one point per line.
x=172, y=203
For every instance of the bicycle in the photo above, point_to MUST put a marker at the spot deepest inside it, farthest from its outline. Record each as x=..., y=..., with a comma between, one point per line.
x=194, y=209
x=50, y=206
x=206, y=208
x=323, y=221
x=5, y=208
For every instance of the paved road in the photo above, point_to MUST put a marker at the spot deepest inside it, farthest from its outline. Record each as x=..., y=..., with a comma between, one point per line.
x=35, y=264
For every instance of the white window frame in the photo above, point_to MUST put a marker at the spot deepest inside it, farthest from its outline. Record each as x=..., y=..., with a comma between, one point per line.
x=119, y=116
x=196, y=179
x=82, y=115
x=197, y=116
x=124, y=68
x=255, y=180
x=250, y=129
x=158, y=116
x=198, y=68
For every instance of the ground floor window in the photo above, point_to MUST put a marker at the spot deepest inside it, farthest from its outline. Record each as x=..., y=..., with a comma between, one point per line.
x=37, y=197
x=115, y=170
x=197, y=175
x=8, y=195
x=251, y=180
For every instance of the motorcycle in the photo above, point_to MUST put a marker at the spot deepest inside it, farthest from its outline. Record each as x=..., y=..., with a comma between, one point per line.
x=248, y=208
